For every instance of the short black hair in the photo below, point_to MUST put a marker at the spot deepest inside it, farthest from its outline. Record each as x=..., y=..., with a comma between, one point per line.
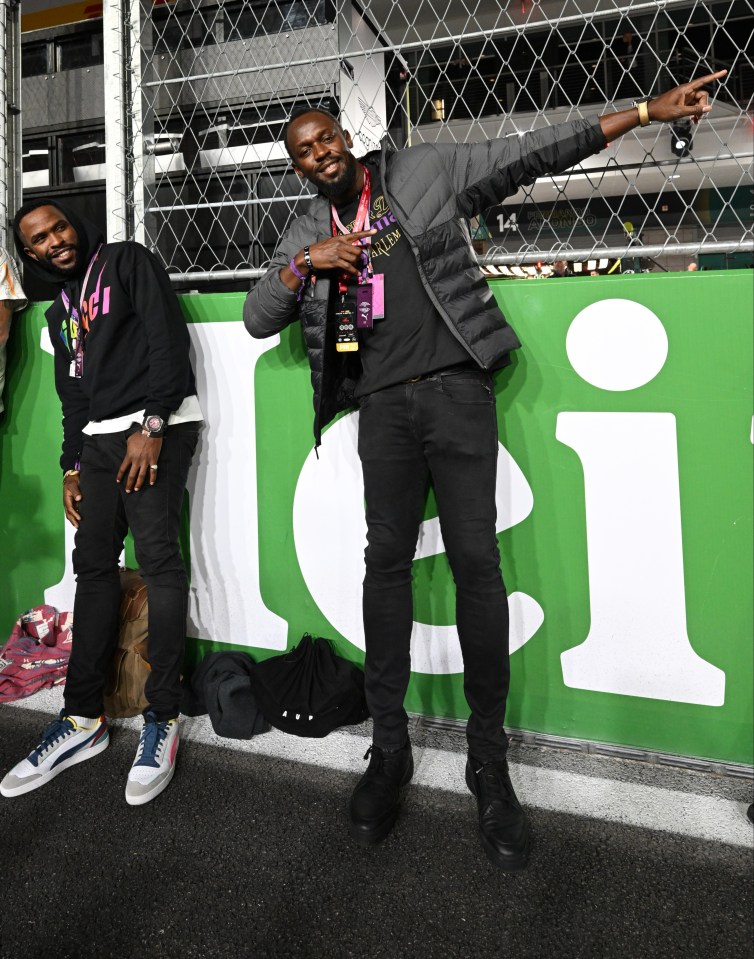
x=26, y=208
x=301, y=110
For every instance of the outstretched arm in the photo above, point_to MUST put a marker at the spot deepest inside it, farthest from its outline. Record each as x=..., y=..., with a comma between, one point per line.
x=487, y=173
x=687, y=100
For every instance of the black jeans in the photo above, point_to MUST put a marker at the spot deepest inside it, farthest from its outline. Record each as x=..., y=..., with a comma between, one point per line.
x=444, y=427
x=153, y=515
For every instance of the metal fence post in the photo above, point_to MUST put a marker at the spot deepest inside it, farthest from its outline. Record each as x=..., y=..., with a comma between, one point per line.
x=117, y=134
x=140, y=113
x=10, y=109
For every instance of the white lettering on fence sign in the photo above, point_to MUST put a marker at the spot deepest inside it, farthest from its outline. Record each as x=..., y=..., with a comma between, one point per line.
x=638, y=644
x=225, y=602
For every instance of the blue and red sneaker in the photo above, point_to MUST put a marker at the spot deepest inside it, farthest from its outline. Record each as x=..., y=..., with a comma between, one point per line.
x=154, y=765
x=66, y=741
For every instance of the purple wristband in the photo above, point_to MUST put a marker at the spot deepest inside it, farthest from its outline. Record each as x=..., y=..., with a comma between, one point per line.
x=295, y=270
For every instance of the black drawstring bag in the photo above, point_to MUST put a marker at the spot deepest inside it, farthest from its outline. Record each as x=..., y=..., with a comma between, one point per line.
x=310, y=690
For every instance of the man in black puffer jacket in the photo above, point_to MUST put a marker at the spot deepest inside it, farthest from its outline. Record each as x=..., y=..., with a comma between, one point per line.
x=130, y=413
x=399, y=320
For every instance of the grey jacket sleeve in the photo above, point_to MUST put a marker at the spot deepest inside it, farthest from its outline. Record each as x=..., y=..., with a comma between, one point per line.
x=486, y=173
x=270, y=306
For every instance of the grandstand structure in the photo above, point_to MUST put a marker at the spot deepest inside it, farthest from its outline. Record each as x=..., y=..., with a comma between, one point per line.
x=162, y=121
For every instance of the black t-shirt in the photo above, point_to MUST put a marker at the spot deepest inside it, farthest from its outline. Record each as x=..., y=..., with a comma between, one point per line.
x=413, y=338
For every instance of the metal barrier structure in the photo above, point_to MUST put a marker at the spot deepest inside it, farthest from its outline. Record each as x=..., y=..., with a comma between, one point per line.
x=197, y=93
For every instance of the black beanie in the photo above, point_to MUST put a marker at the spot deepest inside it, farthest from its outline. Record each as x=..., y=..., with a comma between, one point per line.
x=221, y=686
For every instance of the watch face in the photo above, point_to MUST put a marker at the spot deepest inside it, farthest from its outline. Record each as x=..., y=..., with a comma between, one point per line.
x=154, y=424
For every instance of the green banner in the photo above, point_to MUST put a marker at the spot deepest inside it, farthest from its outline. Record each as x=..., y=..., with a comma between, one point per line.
x=624, y=509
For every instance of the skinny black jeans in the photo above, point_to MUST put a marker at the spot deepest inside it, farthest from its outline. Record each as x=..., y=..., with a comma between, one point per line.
x=443, y=428
x=153, y=516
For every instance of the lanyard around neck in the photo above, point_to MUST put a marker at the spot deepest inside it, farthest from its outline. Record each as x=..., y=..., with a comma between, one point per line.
x=73, y=313
x=360, y=224
x=71, y=329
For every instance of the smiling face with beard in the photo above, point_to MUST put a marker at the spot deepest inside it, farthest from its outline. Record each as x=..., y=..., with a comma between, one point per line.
x=51, y=240
x=321, y=153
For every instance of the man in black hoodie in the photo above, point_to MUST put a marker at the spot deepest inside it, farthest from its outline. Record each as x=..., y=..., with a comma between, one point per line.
x=131, y=422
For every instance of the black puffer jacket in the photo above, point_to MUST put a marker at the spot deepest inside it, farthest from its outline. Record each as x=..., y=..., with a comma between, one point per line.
x=433, y=190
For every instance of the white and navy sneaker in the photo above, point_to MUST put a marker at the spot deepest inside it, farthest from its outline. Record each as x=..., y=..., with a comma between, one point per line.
x=154, y=765
x=66, y=741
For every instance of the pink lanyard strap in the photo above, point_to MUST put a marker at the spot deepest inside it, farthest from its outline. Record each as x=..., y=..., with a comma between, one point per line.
x=360, y=224
x=362, y=214
x=75, y=339
x=73, y=312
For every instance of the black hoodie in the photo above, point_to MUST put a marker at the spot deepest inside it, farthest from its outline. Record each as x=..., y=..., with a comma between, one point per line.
x=136, y=353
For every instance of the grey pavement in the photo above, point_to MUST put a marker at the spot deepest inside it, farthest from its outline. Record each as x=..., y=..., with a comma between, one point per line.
x=247, y=854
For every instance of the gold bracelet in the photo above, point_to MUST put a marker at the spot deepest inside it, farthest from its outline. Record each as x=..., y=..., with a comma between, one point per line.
x=643, y=113
x=70, y=473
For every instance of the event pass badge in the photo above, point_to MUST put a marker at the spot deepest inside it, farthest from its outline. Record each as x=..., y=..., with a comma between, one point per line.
x=346, y=340
x=370, y=302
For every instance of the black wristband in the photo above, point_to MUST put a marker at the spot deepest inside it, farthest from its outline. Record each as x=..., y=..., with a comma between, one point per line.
x=308, y=259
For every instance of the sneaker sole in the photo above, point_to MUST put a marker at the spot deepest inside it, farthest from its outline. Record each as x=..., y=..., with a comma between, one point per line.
x=153, y=793
x=506, y=863
x=373, y=834
x=79, y=757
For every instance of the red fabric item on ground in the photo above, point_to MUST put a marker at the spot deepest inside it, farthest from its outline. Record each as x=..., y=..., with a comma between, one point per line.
x=36, y=654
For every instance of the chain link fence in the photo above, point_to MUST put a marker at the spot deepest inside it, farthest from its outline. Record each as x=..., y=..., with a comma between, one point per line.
x=207, y=183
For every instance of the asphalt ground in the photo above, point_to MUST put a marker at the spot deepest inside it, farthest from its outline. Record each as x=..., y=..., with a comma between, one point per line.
x=247, y=854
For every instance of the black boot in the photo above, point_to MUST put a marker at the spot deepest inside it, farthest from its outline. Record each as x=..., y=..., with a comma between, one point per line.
x=503, y=828
x=376, y=799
